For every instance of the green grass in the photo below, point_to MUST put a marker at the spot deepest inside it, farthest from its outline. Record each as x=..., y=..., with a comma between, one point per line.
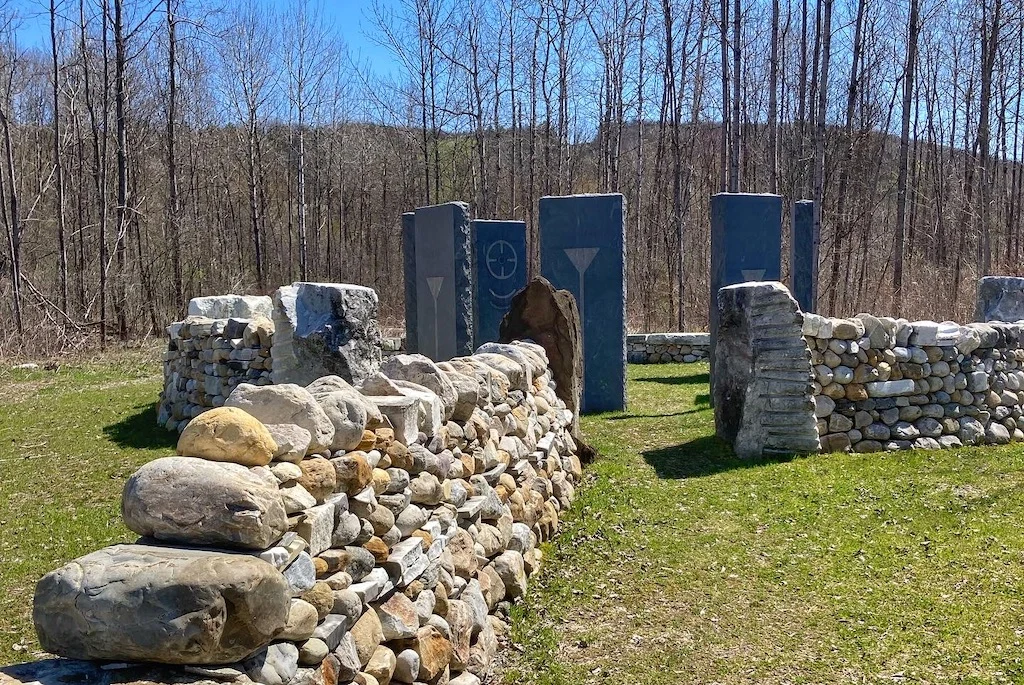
x=678, y=562
x=68, y=440
x=681, y=563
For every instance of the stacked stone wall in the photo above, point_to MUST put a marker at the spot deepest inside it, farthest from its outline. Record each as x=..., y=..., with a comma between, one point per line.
x=663, y=348
x=892, y=384
x=332, y=533
x=206, y=359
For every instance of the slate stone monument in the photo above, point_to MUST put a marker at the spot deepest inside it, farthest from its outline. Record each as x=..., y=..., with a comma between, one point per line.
x=500, y=261
x=746, y=245
x=1000, y=298
x=581, y=250
x=803, y=262
x=409, y=267
x=442, y=245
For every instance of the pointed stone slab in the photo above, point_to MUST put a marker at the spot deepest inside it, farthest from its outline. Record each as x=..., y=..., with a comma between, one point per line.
x=582, y=240
x=442, y=251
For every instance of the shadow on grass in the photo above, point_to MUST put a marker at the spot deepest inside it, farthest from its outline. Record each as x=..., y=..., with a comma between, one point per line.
x=703, y=456
x=691, y=379
x=630, y=417
x=140, y=430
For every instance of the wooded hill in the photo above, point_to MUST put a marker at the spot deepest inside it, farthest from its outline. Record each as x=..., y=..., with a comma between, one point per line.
x=197, y=152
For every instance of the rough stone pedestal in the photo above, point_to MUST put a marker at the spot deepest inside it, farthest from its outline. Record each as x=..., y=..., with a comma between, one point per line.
x=762, y=384
x=325, y=329
x=1000, y=298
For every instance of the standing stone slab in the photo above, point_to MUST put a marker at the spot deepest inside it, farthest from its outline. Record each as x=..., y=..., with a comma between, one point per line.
x=1000, y=298
x=409, y=268
x=325, y=329
x=746, y=245
x=500, y=261
x=762, y=384
x=803, y=263
x=582, y=239
x=444, y=281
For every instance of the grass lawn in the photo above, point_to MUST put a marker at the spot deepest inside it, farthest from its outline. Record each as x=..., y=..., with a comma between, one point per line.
x=679, y=563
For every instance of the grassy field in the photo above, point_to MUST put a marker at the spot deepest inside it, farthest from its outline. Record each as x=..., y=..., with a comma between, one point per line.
x=682, y=564
x=679, y=563
x=68, y=440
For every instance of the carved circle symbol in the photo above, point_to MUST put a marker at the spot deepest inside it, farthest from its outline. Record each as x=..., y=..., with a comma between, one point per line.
x=502, y=259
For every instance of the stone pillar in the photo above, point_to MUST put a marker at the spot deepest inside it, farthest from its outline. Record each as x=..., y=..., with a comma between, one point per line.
x=746, y=245
x=500, y=261
x=409, y=268
x=1000, y=298
x=443, y=282
x=581, y=250
x=325, y=329
x=803, y=263
x=762, y=383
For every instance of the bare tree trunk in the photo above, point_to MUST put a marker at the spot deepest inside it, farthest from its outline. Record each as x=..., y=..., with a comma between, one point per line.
x=773, y=104
x=901, y=183
x=58, y=164
x=825, y=32
x=173, y=201
x=737, y=130
x=724, y=144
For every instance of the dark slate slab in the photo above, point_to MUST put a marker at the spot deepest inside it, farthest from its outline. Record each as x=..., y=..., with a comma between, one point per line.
x=444, y=275
x=803, y=263
x=746, y=245
x=409, y=268
x=500, y=263
x=582, y=239
x=1000, y=298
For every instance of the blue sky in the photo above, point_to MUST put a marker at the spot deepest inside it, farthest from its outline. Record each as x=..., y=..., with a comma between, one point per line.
x=351, y=17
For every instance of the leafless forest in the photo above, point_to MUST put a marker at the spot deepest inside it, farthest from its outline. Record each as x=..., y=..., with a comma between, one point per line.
x=160, y=149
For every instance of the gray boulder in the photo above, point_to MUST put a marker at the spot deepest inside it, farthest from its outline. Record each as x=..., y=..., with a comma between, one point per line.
x=194, y=501
x=163, y=605
x=325, y=329
x=418, y=369
x=347, y=408
x=285, y=403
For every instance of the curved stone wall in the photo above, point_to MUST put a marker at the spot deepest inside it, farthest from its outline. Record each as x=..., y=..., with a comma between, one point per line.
x=663, y=348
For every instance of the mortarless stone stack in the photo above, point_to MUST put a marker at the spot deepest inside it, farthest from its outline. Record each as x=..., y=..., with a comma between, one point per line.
x=329, y=533
x=762, y=389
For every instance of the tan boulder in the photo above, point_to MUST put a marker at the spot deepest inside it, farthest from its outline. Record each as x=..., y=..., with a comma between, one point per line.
x=227, y=434
x=368, y=636
x=382, y=665
x=318, y=477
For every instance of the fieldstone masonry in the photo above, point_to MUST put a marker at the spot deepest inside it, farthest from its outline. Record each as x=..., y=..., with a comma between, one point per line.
x=327, y=533
x=663, y=348
x=762, y=389
x=877, y=383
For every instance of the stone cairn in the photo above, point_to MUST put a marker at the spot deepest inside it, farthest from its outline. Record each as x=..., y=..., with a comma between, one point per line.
x=892, y=384
x=663, y=348
x=224, y=341
x=332, y=533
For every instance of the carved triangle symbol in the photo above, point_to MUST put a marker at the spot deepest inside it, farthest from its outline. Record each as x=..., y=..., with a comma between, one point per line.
x=434, y=283
x=581, y=257
x=752, y=274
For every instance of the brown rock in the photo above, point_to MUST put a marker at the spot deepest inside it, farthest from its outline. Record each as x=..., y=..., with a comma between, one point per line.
x=382, y=665
x=353, y=472
x=318, y=477
x=400, y=457
x=368, y=635
x=378, y=548
x=434, y=650
x=427, y=538
x=320, y=566
x=384, y=437
x=321, y=597
x=463, y=554
x=368, y=442
x=227, y=434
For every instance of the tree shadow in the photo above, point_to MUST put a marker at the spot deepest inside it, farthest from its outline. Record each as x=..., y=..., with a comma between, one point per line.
x=624, y=417
x=690, y=379
x=140, y=430
x=704, y=456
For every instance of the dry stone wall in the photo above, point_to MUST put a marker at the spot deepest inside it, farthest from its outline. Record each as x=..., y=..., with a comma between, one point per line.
x=332, y=533
x=663, y=348
x=891, y=384
x=873, y=383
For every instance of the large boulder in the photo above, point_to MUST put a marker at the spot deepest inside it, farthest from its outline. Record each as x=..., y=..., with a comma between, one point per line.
x=1000, y=298
x=551, y=319
x=418, y=369
x=325, y=329
x=172, y=606
x=347, y=408
x=194, y=501
x=230, y=306
x=285, y=403
x=228, y=434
